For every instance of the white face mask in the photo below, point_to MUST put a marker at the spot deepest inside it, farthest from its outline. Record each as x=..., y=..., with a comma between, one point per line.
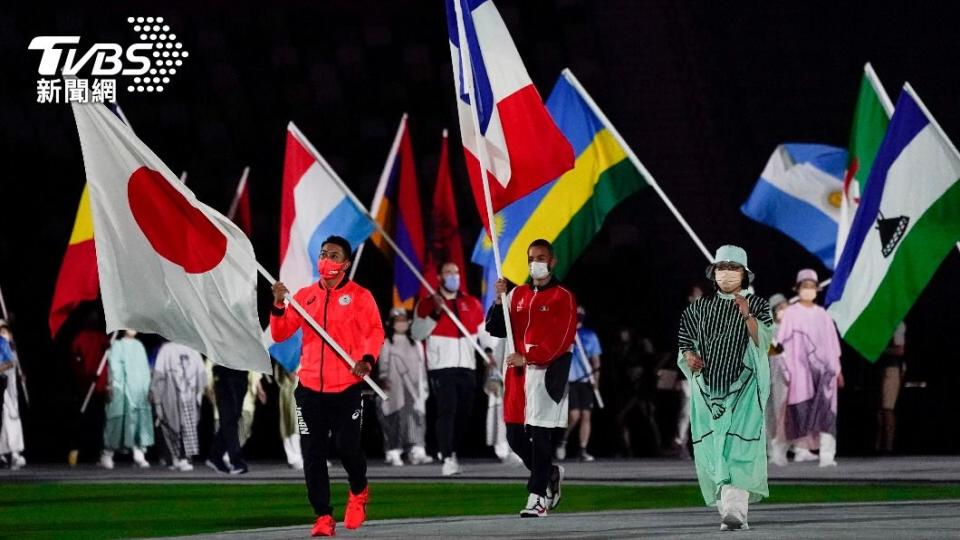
x=401, y=327
x=539, y=270
x=808, y=294
x=728, y=280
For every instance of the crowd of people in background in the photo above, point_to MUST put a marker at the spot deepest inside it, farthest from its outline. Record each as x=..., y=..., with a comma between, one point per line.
x=128, y=399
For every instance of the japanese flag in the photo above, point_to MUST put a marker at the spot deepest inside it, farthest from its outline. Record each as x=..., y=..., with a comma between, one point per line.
x=168, y=263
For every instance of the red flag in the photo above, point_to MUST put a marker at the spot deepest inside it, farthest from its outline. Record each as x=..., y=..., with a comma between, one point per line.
x=239, y=211
x=78, y=280
x=500, y=110
x=445, y=244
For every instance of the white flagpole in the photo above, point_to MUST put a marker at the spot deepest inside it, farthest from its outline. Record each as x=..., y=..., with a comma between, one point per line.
x=386, y=237
x=381, y=187
x=3, y=307
x=588, y=369
x=241, y=185
x=636, y=162
x=323, y=333
x=482, y=159
x=103, y=364
x=878, y=89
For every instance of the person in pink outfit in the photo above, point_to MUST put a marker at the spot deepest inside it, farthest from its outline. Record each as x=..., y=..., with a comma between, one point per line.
x=811, y=358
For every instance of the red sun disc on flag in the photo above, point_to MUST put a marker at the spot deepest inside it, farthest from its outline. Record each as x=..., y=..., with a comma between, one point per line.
x=176, y=229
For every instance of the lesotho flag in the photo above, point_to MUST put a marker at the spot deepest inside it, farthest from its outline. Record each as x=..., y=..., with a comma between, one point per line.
x=907, y=223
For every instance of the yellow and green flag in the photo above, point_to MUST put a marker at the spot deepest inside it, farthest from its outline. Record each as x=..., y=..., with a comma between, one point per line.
x=570, y=210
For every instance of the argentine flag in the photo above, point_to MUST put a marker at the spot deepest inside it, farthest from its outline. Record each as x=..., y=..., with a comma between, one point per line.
x=799, y=194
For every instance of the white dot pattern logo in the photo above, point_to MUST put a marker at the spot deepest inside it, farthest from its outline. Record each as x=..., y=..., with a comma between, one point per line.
x=153, y=31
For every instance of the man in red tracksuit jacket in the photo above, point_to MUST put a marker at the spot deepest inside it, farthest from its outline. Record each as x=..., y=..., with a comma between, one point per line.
x=543, y=316
x=451, y=361
x=328, y=397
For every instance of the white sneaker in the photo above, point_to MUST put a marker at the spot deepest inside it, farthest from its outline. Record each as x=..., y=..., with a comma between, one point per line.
x=139, y=459
x=536, y=507
x=512, y=459
x=740, y=527
x=418, y=456
x=106, y=461
x=17, y=461
x=830, y=463
x=450, y=467
x=393, y=458
x=296, y=465
x=561, y=452
x=801, y=455
x=184, y=465
x=779, y=461
x=584, y=456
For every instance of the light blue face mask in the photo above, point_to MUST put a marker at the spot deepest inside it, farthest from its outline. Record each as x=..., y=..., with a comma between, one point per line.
x=451, y=282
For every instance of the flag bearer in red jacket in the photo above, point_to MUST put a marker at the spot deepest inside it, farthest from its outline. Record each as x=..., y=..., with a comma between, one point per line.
x=451, y=361
x=328, y=397
x=543, y=316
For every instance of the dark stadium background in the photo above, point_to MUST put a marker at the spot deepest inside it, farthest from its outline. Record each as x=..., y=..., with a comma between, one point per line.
x=702, y=91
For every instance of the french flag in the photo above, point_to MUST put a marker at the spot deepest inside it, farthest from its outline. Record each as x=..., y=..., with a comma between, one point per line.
x=524, y=147
x=312, y=208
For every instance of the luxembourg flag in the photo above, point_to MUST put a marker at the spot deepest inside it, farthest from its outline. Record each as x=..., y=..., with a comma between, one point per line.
x=312, y=208
x=799, y=194
x=907, y=223
x=524, y=148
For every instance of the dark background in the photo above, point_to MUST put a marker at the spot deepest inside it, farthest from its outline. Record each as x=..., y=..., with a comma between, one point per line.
x=702, y=91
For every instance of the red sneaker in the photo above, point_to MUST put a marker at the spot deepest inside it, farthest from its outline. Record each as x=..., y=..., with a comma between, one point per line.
x=325, y=526
x=356, y=512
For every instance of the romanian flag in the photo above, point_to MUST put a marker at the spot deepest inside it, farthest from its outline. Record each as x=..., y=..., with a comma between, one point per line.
x=78, y=280
x=396, y=207
x=570, y=210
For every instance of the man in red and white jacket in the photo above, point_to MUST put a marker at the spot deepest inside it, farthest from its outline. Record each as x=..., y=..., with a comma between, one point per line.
x=328, y=396
x=451, y=361
x=543, y=317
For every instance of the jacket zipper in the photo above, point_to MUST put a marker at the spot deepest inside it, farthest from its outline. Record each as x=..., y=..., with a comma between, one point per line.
x=323, y=345
x=529, y=321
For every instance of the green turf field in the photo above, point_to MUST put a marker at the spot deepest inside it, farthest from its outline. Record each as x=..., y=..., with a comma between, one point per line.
x=92, y=510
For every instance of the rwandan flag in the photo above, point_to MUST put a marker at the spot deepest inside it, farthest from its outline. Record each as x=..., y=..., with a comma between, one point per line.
x=570, y=210
x=396, y=207
x=907, y=223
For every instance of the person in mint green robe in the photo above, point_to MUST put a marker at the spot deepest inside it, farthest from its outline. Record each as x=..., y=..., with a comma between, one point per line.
x=723, y=343
x=129, y=422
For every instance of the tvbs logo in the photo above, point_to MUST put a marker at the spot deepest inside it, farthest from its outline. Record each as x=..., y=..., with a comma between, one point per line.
x=107, y=57
x=147, y=64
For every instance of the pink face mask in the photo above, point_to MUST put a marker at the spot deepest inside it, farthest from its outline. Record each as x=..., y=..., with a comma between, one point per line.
x=330, y=269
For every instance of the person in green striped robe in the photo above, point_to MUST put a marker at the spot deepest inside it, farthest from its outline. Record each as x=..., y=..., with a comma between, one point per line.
x=723, y=342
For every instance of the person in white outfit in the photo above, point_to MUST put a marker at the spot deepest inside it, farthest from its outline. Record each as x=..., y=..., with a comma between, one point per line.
x=403, y=375
x=179, y=378
x=11, y=429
